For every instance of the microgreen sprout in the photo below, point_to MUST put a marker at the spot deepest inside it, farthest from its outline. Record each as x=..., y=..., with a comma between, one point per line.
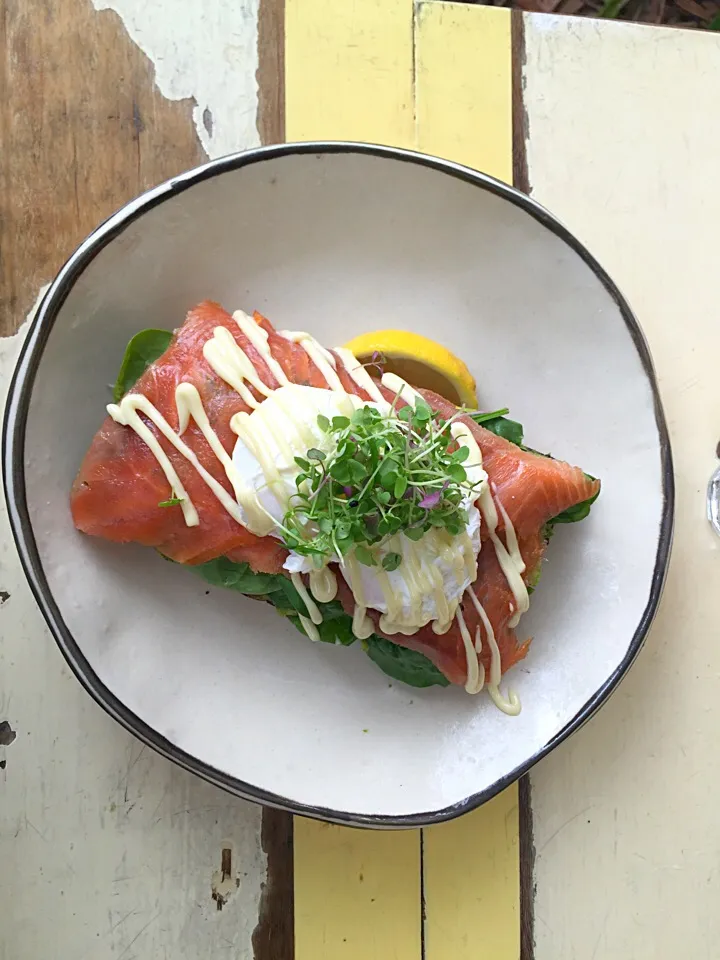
x=383, y=474
x=172, y=502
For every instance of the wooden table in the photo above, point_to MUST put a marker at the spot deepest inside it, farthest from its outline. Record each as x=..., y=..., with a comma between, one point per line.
x=109, y=851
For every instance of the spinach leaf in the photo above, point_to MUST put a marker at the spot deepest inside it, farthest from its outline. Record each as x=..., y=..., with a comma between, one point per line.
x=144, y=348
x=579, y=511
x=503, y=427
x=336, y=627
x=405, y=665
x=222, y=572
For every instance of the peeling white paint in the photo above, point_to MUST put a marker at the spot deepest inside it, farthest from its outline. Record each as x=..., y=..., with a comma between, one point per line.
x=207, y=50
x=107, y=850
x=623, y=149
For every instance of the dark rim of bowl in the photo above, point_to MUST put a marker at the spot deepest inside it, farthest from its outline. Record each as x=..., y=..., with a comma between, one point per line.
x=14, y=427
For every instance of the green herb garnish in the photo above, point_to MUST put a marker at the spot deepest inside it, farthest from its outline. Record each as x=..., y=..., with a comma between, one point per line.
x=381, y=475
x=144, y=349
x=171, y=502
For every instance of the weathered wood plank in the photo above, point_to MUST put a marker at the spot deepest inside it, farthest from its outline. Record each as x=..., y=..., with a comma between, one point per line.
x=83, y=130
x=623, y=146
x=129, y=855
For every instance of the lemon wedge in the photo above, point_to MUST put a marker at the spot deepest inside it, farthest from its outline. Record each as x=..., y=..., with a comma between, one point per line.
x=420, y=361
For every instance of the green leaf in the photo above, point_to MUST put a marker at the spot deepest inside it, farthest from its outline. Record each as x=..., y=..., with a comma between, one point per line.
x=358, y=471
x=389, y=479
x=397, y=662
x=144, y=349
x=391, y=561
x=457, y=472
x=171, y=502
x=222, y=572
x=323, y=423
x=405, y=665
x=315, y=454
x=493, y=415
x=714, y=24
x=461, y=454
x=340, y=423
x=340, y=471
x=611, y=8
x=578, y=512
x=414, y=533
x=400, y=487
x=364, y=556
x=508, y=429
x=422, y=411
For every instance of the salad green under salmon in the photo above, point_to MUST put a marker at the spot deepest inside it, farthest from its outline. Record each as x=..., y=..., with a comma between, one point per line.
x=363, y=509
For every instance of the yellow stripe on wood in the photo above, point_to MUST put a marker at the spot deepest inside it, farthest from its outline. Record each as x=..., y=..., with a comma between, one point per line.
x=472, y=884
x=464, y=113
x=464, y=85
x=357, y=893
x=436, y=77
x=349, y=71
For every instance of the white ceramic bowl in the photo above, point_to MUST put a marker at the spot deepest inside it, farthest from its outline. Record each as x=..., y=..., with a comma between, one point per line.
x=338, y=239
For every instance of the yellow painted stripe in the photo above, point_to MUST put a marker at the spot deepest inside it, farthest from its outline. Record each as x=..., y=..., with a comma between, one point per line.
x=349, y=71
x=464, y=113
x=464, y=85
x=437, y=77
x=472, y=884
x=357, y=893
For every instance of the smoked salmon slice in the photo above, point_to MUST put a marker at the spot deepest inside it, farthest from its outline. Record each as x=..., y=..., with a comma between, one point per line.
x=120, y=484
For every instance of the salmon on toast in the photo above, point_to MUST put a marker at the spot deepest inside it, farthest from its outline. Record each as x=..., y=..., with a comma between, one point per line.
x=361, y=506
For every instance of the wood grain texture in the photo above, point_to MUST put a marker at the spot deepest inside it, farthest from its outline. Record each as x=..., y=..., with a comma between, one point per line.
x=527, y=870
x=82, y=131
x=520, y=177
x=130, y=856
x=271, y=71
x=623, y=150
x=274, y=935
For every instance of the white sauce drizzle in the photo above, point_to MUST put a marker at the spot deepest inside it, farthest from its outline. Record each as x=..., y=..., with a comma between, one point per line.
x=475, y=670
x=322, y=358
x=323, y=584
x=230, y=362
x=309, y=627
x=361, y=377
x=511, y=706
x=126, y=413
x=312, y=607
x=398, y=386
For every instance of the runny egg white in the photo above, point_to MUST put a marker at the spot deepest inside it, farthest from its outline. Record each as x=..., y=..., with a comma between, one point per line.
x=288, y=429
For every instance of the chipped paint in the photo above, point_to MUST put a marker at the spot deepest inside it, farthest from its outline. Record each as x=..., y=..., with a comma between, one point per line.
x=118, y=844
x=205, y=51
x=7, y=734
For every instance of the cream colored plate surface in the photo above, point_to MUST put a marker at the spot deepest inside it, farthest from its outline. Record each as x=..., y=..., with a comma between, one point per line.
x=338, y=243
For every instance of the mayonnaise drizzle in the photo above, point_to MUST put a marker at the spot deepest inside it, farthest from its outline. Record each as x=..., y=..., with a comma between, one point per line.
x=287, y=426
x=398, y=386
x=512, y=705
x=475, y=669
x=361, y=377
x=312, y=608
x=323, y=584
x=188, y=403
x=322, y=358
